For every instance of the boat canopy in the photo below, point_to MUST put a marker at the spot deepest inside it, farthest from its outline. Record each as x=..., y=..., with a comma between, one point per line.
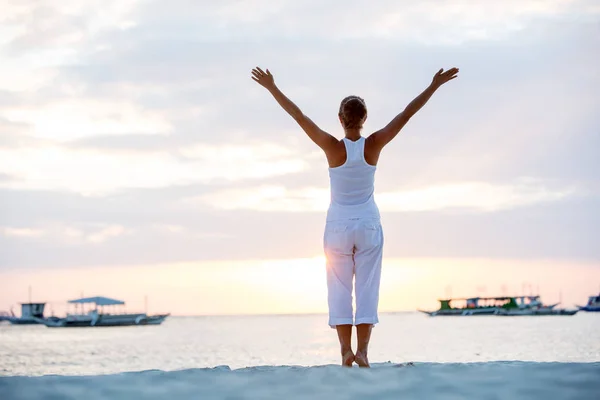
x=474, y=302
x=98, y=300
x=479, y=298
x=594, y=299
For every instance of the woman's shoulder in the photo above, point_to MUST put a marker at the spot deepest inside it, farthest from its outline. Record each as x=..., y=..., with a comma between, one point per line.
x=336, y=156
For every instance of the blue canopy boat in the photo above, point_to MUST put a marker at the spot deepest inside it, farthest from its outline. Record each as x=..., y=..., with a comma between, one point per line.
x=98, y=316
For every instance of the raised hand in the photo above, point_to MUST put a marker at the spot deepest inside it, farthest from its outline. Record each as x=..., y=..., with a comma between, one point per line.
x=265, y=79
x=442, y=77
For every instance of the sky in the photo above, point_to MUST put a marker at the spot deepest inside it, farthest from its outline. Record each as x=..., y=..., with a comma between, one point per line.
x=138, y=158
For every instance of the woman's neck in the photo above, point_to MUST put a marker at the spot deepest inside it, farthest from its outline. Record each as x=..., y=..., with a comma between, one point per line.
x=352, y=134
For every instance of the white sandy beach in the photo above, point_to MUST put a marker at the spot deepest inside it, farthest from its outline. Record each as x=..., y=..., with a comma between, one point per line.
x=494, y=380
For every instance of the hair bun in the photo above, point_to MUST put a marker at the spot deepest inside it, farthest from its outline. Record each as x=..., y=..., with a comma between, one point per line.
x=353, y=111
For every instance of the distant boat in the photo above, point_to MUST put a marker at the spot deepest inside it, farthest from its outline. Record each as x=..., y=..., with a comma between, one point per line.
x=98, y=318
x=533, y=306
x=31, y=314
x=503, y=306
x=4, y=316
x=593, y=304
x=533, y=302
x=534, y=312
x=471, y=306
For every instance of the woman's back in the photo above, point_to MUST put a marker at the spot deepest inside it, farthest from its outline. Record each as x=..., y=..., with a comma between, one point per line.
x=352, y=185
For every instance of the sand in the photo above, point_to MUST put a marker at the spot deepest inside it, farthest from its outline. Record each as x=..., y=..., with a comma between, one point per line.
x=493, y=380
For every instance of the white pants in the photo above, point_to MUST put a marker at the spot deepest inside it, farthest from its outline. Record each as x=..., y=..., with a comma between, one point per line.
x=353, y=249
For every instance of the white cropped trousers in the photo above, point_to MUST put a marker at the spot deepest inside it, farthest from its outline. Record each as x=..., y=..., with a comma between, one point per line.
x=353, y=249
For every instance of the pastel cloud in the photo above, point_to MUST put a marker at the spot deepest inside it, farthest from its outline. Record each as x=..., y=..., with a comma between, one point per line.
x=128, y=125
x=97, y=172
x=21, y=232
x=472, y=196
x=69, y=120
x=68, y=235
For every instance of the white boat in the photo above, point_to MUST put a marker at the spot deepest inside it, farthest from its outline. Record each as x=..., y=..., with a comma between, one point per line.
x=533, y=306
x=535, y=312
x=593, y=304
x=503, y=306
x=31, y=313
x=527, y=302
x=4, y=316
x=97, y=317
x=470, y=306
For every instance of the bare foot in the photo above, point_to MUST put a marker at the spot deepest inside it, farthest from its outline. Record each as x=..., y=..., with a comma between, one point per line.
x=362, y=360
x=348, y=359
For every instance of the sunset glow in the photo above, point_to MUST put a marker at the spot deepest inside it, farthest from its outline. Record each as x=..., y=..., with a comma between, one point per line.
x=298, y=286
x=138, y=158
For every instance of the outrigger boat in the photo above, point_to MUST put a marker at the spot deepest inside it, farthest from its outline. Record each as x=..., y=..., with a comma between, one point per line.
x=502, y=306
x=98, y=317
x=472, y=306
x=535, y=312
x=593, y=304
x=533, y=306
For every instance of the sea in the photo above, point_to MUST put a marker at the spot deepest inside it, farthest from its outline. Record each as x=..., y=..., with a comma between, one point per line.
x=297, y=356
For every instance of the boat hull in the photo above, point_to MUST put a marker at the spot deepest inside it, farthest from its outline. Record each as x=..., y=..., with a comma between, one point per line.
x=105, y=320
x=23, y=321
x=460, y=312
x=156, y=319
x=541, y=312
x=497, y=311
x=590, y=309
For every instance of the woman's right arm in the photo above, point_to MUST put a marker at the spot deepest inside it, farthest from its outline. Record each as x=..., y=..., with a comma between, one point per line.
x=389, y=132
x=321, y=138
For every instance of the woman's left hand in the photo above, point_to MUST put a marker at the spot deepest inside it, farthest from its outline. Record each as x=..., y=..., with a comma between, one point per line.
x=265, y=79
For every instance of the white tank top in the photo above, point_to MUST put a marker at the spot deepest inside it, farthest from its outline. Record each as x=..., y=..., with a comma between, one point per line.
x=352, y=185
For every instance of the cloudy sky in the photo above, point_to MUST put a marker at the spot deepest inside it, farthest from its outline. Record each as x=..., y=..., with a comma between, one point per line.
x=137, y=157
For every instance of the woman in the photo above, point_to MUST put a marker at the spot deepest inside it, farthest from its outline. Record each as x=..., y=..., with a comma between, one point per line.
x=353, y=238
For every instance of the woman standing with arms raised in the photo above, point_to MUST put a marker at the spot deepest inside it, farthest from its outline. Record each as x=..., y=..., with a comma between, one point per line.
x=353, y=238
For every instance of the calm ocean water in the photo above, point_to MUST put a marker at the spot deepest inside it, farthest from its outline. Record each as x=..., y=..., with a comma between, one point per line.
x=306, y=340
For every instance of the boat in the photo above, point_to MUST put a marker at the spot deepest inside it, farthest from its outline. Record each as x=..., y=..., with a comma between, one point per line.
x=4, y=316
x=97, y=317
x=498, y=306
x=31, y=314
x=533, y=306
x=534, y=312
x=593, y=304
x=527, y=302
x=472, y=306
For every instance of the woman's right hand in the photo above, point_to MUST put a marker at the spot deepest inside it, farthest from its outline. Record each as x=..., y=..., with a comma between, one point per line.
x=265, y=79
